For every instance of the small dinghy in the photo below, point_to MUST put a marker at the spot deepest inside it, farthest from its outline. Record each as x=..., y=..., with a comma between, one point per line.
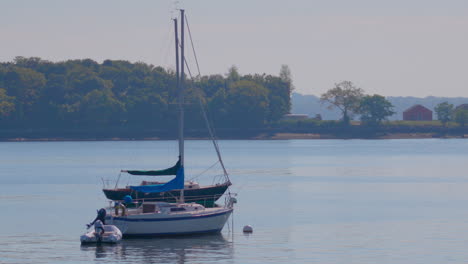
x=110, y=234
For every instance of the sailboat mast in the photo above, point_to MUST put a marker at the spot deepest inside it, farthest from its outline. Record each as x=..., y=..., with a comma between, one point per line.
x=177, y=53
x=181, y=97
x=181, y=90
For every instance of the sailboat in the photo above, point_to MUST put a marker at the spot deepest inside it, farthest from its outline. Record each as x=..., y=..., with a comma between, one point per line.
x=205, y=195
x=155, y=218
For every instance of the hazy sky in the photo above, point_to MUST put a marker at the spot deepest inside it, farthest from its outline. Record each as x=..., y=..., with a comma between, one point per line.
x=398, y=47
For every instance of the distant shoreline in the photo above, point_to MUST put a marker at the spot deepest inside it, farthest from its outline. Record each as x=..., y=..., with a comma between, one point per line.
x=276, y=136
x=286, y=136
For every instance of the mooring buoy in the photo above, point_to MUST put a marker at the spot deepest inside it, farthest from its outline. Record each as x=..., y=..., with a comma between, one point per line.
x=247, y=229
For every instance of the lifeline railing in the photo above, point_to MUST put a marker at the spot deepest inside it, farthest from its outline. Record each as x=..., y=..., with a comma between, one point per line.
x=205, y=200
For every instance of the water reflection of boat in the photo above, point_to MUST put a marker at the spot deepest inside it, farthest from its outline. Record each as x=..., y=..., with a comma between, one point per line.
x=198, y=249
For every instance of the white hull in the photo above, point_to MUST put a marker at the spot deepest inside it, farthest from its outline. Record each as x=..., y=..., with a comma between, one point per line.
x=210, y=220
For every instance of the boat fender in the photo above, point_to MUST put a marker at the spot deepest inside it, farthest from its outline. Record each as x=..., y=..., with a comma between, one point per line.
x=117, y=208
x=128, y=199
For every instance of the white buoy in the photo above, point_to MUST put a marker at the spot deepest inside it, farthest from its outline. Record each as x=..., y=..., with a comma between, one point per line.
x=247, y=229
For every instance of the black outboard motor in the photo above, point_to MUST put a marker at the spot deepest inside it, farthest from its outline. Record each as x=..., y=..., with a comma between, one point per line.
x=101, y=216
x=98, y=230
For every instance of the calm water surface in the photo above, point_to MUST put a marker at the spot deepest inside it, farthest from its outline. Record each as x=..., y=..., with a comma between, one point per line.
x=309, y=201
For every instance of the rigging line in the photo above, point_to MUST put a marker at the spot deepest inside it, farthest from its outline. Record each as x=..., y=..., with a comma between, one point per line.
x=118, y=179
x=204, y=171
x=213, y=132
x=213, y=139
x=193, y=46
x=164, y=49
x=210, y=131
x=189, y=71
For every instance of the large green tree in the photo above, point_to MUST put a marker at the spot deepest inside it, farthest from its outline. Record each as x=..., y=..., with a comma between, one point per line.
x=100, y=107
x=247, y=104
x=278, y=96
x=461, y=116
x=286, y=76
x=233, y=74
x=344, y=96
x=374, y=109
x=217, y=107
x=7, y=104
x=26, y=85
x=444, y=112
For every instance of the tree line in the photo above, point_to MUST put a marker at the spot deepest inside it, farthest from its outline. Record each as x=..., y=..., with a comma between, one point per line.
x=447, y=113
x=351, y=100
x=373, y=109
x=36, y=93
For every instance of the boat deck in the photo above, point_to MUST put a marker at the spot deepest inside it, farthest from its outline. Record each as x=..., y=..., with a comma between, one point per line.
x=164, y=210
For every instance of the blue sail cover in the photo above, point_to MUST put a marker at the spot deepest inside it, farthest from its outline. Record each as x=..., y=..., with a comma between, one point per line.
x=175, y=184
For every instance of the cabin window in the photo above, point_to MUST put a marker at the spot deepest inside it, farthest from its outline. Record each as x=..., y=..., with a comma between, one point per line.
x=149, y=208
x=177, y=209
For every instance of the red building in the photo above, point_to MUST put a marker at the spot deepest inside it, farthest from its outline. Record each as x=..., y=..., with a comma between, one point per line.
x=417, y=113
x=462, y=106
